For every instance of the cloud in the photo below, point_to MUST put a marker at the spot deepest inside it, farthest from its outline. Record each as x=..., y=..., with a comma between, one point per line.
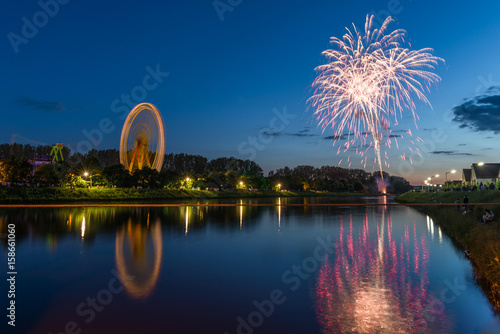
x=271, y=134
x=299, y=134
x=480, y=113
x=341, y=137
x=352, y=136
x=462, y=145
x=450, y=153
x=48, y=106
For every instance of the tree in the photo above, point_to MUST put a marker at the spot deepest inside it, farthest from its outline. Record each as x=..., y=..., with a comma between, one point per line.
x=117, y=175
x=170, y=179
x=358, y=186
x=146, y=178
x=54, y=174
x=16, y=170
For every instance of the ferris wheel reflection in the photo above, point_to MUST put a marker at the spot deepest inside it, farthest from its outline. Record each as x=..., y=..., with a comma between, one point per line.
x=138, y=256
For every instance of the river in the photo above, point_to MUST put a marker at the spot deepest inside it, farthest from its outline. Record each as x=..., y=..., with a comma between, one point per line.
x=240, y=269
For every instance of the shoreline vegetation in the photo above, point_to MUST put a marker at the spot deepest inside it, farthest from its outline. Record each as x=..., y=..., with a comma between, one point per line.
x=480, y=242
x=58, y=195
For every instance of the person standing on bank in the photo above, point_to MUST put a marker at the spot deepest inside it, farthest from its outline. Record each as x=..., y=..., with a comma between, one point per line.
x=466, y=201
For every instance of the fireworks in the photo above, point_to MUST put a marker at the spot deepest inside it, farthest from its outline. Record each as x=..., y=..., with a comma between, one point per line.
x=366, y=85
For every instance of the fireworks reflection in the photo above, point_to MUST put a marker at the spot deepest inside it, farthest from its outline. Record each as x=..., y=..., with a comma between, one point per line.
x=375, y=283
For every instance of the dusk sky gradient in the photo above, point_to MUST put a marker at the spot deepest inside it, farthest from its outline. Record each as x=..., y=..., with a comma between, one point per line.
x=227, y=76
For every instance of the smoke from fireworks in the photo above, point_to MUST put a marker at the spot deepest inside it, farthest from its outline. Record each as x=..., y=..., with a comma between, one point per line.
x=367, y=84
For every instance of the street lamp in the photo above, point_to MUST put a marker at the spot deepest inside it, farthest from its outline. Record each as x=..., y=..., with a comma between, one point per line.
x=87, y=174
x=430, y=178
x=479, y=164
x=279, y=186
x=446, y=174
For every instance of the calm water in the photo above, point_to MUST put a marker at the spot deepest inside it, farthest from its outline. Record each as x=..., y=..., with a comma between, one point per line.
x=327, y=269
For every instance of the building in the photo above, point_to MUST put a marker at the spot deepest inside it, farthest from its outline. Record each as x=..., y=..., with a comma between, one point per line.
x=482, y=173
x=40, y=160
x=466, y=172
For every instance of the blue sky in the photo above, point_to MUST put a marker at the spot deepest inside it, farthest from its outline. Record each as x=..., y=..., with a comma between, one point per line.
x=226, y=76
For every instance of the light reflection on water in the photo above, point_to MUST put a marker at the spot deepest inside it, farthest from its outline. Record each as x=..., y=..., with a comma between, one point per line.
x=179, y=265
x=374, y=285
x=138, y=253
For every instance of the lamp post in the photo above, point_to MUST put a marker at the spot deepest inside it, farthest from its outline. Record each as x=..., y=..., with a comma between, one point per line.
x=446, y=175
x=279, y=186
x=87, y=174
x=479, y=165
x=430, y=178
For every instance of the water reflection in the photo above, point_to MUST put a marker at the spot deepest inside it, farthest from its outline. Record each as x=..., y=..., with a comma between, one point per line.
x=187, y=221
x=138, y=255
x=83, y=227
x=183, y=263
x=241, y=214
x=279, y=214
x=376, y=286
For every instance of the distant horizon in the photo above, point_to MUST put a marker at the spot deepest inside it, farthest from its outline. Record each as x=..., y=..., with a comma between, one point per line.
x=267, y=171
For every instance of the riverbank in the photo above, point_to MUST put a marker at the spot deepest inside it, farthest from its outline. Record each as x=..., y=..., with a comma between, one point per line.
x=13, y=195
x=481, y=242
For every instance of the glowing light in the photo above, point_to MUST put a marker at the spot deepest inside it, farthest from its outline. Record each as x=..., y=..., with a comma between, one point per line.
x=137, y=276
x=187, y=221
x=366, y=83
x=141, y=153
x=241, y=214
x=279, y=214
x=86, y=174
x=453, y=171
x=480, y=164
x=83, y=227
x=368, y=286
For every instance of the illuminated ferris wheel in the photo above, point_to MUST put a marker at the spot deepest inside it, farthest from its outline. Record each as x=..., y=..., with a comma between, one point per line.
x=142, y=142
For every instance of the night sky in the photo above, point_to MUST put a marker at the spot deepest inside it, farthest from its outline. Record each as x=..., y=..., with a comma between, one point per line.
x=222, y=76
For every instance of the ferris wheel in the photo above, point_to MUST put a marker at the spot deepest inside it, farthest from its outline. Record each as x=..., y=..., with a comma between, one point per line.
x=142, y=142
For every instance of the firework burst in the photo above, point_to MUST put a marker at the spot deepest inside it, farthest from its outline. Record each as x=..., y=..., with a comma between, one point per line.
x=367, y=83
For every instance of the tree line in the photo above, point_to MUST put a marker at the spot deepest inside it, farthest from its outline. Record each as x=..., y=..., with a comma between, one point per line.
x=181, y=171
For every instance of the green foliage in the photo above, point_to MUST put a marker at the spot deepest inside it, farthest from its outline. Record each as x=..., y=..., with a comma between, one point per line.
x=116, y=175
x=24, y=195
x=358, y=186
x=103, y=169
x=146, y=178
x=13, y=169
x=48, y=174
x=482, y=241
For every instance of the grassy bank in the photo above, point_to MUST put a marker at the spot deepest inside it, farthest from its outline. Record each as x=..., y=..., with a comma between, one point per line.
x=13, y=195
x=480, y=241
